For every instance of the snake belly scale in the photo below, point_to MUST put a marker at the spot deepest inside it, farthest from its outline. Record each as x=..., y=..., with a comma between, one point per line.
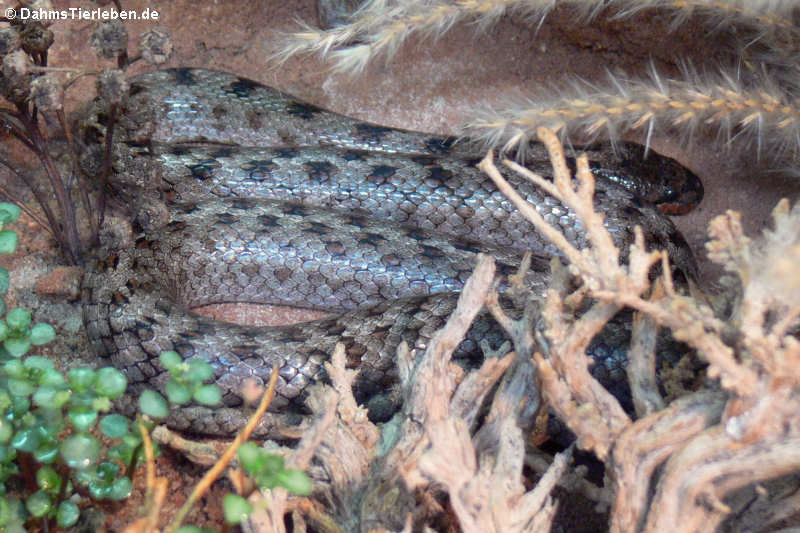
x=272, y=200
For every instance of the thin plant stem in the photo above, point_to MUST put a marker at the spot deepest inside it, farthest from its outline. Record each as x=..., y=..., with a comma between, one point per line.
x=71, y=242
x=94, y=221
x=55, y=228
x=226, y=458
x=101, y=199
x=15, y=129
x=5, y=192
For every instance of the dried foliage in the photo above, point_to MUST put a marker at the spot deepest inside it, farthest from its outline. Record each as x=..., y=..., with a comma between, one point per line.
x=380, y=27
x=754, y=115
x=752, y=98
x=394, y=479
x=32, y=110
x=709, y=442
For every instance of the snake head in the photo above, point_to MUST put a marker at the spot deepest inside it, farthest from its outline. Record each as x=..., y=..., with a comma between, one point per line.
x=660, y=180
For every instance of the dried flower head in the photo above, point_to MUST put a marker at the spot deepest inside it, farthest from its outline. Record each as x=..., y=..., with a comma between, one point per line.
x=17, y=63
x=36, y=38
x=17, y=74
x=9, y=40
x=156, y=46
x=110, y=39
x=47, y=93
x=112, y=85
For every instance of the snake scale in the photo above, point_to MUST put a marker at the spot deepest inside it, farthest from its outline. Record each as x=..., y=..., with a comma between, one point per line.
x=272, y=200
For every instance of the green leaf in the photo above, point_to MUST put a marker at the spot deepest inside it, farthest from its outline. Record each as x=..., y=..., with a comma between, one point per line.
x=67, y=514
x=48, y=479
x=131, y=442
x=53, y=378
x=15, y=369
x=251, y=456
x=20, y=387
x=235, y=508
x=153, y=404
x=114, y=426
x=18, y=318
x=52, y=397
x=208, y=395
x=6, y=430
x=198, y=371
x=177, y=392
x=189, y=529
x=5, y=400
x=110, y=383
x=8, y=212
x=5, y=512
x=46, y=453
x=80, y=451
x=81, y=378
x=20, y=405
x=12, y=513
x=7, y=454
x=38, y=504
x=17, y=347
x=107, y=472
x=102, y=404
x=37, y=362
x=51, y=422
x=170, y=359
x=84, y=476
x=295, y=481
x=4, y=330
x=120, y=489
x=8, y=241
x=5, y=281
x=82, y=418
x=194, y=529
x=99, y=491
x=26, y=440
x=42, y=333
x=272, y=462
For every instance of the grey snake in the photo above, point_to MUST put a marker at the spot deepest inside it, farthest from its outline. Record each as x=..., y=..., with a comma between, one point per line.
x=272, y=200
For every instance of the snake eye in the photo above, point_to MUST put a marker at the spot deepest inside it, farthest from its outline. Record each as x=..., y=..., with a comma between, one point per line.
x=670, y=194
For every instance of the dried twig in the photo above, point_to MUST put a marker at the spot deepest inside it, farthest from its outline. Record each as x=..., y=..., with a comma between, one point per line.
x=714, y=441
x=213, y=473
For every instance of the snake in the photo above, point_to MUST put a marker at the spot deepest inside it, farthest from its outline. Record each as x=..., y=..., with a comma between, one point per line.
x=269, y=199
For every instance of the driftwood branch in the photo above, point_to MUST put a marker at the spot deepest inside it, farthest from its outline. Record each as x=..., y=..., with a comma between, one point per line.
x=709, y=443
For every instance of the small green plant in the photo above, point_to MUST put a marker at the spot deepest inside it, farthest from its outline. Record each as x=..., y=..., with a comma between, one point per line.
x=266, y=470
x=47, y=419
x=51, y=456
x=185, y=384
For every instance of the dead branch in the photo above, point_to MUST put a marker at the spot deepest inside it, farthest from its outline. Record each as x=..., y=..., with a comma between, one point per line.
x=646, y=444
x=713, y=442
x=641, y=368
x=689, y=497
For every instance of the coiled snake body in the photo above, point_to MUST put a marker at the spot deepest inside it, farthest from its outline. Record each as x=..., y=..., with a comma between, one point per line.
x=275, y=201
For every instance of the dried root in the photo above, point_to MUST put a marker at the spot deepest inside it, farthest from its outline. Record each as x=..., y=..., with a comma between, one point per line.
x=710, y=442
x=395, y=479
